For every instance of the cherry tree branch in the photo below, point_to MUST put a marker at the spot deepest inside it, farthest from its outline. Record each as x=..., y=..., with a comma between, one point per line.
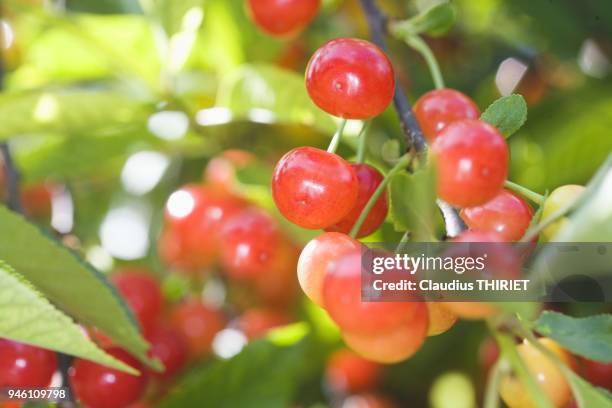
x=377, y=23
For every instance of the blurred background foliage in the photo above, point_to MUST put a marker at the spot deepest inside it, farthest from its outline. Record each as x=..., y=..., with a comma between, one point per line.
x=121, y=101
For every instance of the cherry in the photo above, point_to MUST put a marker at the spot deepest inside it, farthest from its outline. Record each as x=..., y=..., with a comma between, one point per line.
x=97, y=386
x=25, y=366
x=313, y=188
x=221, y=170
x=282, y=17
x=599, y=374
x=471, y=161
x=36, y=200
x=369, y=178
x=350, y=78
x=560, y=198
x=438, y=108
x=255, y=323
x=348, y=372
x=195, y=215
x=142, y=293
x=250, y=244
x=393, y=346
x=549, y=377
x=198, y=323
x=316, y=257
x=170, y=348
x=488, y=353
x=342, y=300
x=506, y=214
x=441, y=319
x=278, y=286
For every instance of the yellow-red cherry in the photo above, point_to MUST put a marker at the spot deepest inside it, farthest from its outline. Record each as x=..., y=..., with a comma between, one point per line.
x=282, y=17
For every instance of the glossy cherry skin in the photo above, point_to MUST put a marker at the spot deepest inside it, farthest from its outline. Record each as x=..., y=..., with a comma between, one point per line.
x=342, y=300
x=316, y=257
x=22, y=365
x=599, y=374
x=195, y=215
x=198, y=323
x=557, y=200
x=97, y=386
x=142, y=293
x=348, y=372
x=282, y=17
x=255, y=323
x=167, y=345
x=506, y=214
x=393, y=346
x=250, y=244
x=313, y=188
x=471, y=160
x=369, y=179
x=350, y=78
x=438, y=108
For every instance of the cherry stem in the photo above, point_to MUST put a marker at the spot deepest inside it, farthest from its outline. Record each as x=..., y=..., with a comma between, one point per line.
x=531, y=195
x=419, y=45
x=363, y=136
x=12, y=176
x=491, y=398
x=400, y=165
x=402, y=246
x=536, y=229
x=333, y=145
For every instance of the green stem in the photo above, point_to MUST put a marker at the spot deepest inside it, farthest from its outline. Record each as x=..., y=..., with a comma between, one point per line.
x=401, y=164
x=532, y=195
x=419, y=45
x=363, y=136
x=403, y=244
x=333, y=145
x=491, y=398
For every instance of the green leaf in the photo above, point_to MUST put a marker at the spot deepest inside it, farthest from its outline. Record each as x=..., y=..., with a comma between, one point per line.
x=264, y=374
x=413, y=204
x=276, y=94
x=590, y=337
x=26, y=316
x=586, y=395
x=435, y=21
x=507, y=114
x=69, y=282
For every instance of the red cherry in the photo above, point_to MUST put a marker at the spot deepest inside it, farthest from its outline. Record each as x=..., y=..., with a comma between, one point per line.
x=316, y=257
x=22, y=365
x=471, y=161
x=220, y=171
x=142, y=293
x=369, y=178
x=506, y=214
x=255, y=323
x=97, y=386
x=438, y=108
x=313, y=188
x=196, y=214
x=282, y=17
x=342, y=300
x=488, y=353
x=36, y=200
x=278, y=286
x=250, y=244
x=600, y=374
x=350, y=78
x=348, y=372
x=170, y=348
x=198, y=323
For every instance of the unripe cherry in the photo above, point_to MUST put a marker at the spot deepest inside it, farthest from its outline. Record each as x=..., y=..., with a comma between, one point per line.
x=560, y=198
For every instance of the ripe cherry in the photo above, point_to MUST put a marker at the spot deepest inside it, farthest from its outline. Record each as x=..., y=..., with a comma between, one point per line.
x=255, y=323
x=393, y=346
x=471, y=161
x=36, y=200
x=348, y=372
x=598, y=373
x=342, y=300
x=560, y=198
x=369, y=178
x=97, y=386
x=313, y=188
x=250, y=244
x=282, y=17
x=142, y=293
x=170, y=348
x=441, y=319
x=438, y=108
x=316, y=257
x=278, y=286
x=22, y=365
x=506, y=214
x=350, y=78
x=548, y=376
x=198, y=323
x=221, y=170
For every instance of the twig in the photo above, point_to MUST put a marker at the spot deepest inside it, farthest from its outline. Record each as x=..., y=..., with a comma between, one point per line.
x=12, y=179
x=377, y=23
